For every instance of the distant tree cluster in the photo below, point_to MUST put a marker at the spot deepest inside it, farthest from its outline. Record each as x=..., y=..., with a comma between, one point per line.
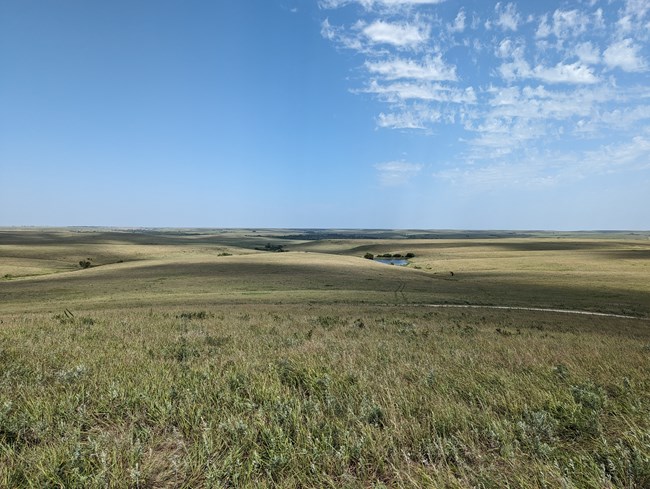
x=370, y=256
x=397, y=255
x=272, y=247
x=85, y=263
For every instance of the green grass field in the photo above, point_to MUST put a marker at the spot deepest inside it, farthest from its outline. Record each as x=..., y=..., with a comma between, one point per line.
x=193, y=358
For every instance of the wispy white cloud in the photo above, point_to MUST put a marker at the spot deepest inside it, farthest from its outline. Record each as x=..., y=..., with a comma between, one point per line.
x=401, y=34
x=517, y=68
x=517, y=117
x=633, y=19
x=377, y=36
x=551, y=168
x=508, y=48
x=587, y=53
x=408, y=118
x=569, y=23
x=541, y=103
x=575, y=73
x=502, y=136
x=638, y=9
x=625, y=55
x=459, y=22
x=616, y=157
x=340, y=36
x=397, y=172
x=431, y=68
x=395, y=92
x=369, y=4
x=543, y=29
x=623, y=118
x=327, y=30
x=499, y=175
x=511, y=82
x=508, y=18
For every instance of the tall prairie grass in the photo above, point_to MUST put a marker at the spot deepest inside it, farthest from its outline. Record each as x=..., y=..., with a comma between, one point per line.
x=320, y=396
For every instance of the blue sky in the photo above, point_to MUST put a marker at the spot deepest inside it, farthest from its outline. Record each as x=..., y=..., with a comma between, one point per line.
x=330, y=113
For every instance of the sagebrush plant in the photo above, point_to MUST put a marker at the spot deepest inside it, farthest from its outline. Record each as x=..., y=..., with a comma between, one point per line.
x=316, y=396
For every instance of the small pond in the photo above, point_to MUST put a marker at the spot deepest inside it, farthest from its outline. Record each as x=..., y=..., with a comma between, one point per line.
x=400, y=262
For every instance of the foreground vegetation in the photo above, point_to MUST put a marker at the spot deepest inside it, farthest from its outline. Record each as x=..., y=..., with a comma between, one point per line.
x=351, y=397
x=193, y=359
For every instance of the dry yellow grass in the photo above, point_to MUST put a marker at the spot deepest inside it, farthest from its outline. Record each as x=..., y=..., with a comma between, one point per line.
x=193, y=359
x=41, y=272
x=323, y=396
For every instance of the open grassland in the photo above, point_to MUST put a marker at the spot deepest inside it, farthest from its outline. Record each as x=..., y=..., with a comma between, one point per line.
x=196, y=359
x=39, y=270
x=263, y=396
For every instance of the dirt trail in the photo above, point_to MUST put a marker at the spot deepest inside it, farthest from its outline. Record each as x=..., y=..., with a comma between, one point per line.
x=534, y=309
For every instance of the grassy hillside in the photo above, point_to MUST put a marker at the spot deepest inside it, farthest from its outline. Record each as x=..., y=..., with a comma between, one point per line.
x=40, y=270
x=319, y=396
x=194, y=358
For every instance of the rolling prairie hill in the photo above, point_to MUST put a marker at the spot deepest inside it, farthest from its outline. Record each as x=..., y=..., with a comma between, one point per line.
x=284, y=358
x=40, y=270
